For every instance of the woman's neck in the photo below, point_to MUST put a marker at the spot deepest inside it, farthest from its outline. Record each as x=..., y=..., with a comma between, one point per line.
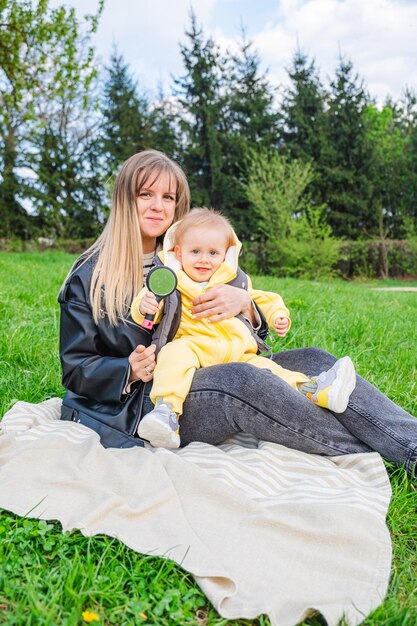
x=148, y=245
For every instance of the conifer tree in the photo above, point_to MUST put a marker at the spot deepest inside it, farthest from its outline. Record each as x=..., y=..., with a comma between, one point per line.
x=303, y=120
x=345, y=180
x=163, y=121
x=199, y=93
x=69, y=192
x=302, y=125
x=250, y=122
x=125, y=129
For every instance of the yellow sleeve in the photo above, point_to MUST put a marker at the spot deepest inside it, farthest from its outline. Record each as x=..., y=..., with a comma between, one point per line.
x=271, y=304
x=135, y=312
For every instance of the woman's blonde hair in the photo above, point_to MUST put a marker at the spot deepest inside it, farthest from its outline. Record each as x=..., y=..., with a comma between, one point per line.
x=118, y=272
x=204, y=217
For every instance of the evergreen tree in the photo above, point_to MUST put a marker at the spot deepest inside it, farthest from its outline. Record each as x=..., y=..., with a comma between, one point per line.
x=125, y=128
x=163, y=121
x=249, y=122
x=199, y=92
x=345, y=180
x=303, y=121
x=68, y=193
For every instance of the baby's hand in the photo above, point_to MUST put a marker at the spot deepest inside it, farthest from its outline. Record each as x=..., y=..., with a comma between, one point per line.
x=281, y=325
x=148, y=304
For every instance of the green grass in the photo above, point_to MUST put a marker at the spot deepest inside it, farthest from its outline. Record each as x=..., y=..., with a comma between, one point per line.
x=49, y=577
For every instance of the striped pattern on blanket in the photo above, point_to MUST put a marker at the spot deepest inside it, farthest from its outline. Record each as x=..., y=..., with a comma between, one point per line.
x=264, y=529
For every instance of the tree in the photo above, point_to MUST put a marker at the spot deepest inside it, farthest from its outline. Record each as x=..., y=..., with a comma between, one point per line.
x=249, y=120
x=294, y=235
x=303, y=119
x=38, y=47
x=345, y=177
x=276, y=189
x=163, y=120
x=199, y=93
x=407, y=121
x=388, y=169
x=68, y=192
x=125, y=129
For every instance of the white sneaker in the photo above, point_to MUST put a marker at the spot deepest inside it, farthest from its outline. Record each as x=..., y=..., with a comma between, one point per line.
x=160, y=427
x=335, y=386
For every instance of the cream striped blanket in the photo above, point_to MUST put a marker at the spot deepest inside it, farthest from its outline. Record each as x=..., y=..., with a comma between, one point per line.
x=263, y=529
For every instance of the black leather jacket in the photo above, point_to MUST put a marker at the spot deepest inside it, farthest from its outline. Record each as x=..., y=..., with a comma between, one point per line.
x=95, y=366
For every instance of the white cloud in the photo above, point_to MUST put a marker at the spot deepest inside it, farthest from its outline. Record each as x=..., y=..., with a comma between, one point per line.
x=146, y=32
x=380, y=36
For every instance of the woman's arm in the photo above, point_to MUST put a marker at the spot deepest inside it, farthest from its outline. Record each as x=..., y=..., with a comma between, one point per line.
x=98, y=361
x=85, y=371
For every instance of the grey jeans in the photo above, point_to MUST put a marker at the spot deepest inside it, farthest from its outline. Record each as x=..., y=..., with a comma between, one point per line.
x=234, y=397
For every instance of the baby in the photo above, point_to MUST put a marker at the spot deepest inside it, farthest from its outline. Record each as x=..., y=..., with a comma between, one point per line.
x=203, y=249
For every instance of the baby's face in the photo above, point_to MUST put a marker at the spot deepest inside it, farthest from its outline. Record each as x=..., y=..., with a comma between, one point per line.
x=201, y=252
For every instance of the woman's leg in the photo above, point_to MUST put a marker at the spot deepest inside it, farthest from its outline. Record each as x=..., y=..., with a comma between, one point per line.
x=234, y=397
x=371, y=416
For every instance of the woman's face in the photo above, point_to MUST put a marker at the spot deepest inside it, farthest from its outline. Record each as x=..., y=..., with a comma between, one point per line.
x=155, y=204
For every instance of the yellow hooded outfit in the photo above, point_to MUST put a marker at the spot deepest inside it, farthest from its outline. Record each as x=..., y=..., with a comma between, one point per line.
x=201, y=343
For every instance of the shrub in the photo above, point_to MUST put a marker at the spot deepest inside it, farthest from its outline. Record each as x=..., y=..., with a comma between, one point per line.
x=364, y=258
x=72, y=246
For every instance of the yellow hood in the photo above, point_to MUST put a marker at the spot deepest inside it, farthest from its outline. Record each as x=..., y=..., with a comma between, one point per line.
x=225, y=273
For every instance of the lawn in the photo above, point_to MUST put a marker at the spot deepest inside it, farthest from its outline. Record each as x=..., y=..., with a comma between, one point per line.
x=47, y=577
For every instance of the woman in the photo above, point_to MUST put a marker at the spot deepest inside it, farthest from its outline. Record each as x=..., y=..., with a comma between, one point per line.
x=108, y=361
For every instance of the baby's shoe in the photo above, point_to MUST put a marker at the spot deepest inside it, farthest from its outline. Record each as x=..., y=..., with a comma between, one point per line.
x=160, y=426
x=335, y=386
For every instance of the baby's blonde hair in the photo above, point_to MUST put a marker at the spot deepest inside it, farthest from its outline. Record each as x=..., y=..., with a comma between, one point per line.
x=204, y=217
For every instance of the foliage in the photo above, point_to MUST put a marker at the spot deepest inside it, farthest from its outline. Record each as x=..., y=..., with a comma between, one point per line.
x=345, y=181
x=50, y=577
x=65, y=129
x=275, y=189
x=199, y=93
x=125, y=128
x=163, y=119
x=303, y=115
x=406, y=114
x=41, y=71
x=294, y=237
x=249, y=119
x=371, y=259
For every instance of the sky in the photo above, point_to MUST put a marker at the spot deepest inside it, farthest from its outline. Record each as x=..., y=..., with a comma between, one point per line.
x=379, y=36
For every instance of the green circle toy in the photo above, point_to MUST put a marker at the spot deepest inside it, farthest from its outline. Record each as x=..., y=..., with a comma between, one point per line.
x=161, y=281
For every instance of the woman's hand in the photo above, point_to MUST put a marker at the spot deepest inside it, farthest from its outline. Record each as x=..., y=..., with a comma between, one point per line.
x=223, y=302
x=142, y=363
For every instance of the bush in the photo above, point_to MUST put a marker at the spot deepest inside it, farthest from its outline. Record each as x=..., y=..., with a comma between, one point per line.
x=365, y=258
x=315, y=258
x=310, y=258
x=72, y=246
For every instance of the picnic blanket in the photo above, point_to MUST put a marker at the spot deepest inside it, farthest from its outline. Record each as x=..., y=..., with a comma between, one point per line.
x=263, y=529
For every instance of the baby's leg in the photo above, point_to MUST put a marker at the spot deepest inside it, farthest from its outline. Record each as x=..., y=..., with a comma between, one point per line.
x=174, y=372
x=330, y=389
x=292, y=378
x=173, y=375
